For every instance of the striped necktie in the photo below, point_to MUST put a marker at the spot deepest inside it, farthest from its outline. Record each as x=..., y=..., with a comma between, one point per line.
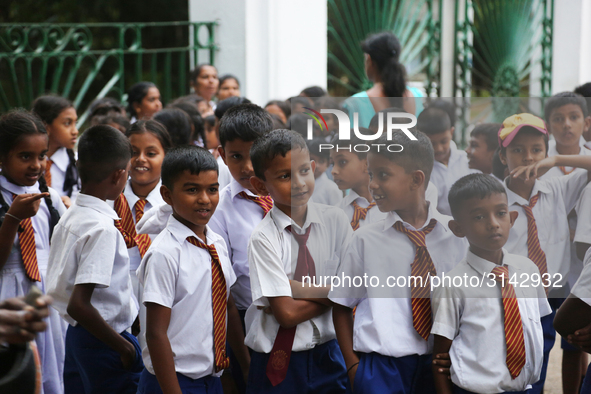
x=219, y=301
x=534, y=250
x=125, y=225
x=359, y=214
x=143, y=241
x=421, y=266
x=26, y=241
x=47, y=174
x=265, y=202
x=513, y=326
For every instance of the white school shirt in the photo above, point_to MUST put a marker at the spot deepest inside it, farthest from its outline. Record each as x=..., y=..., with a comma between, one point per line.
x=380, y=250
x=373, y=215
x=326, y=191
x=40, y=222
x=582, y=289
x=556, y=171
x=234, y=220
x=557, y=198
x=445, y=176
x=583, y=208
x=153, y=200
x=472, y=317
x=87, y=248
x=61, y=161
x=272, y=265
x=224, y=175
x=154, y=221
x=177, y=275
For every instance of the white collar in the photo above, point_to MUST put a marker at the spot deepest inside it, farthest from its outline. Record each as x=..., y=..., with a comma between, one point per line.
x=392, y=217
x=88, y=201
x=282, y=220
x=61, y=159
x=353, y=196
x=181, y=232
x=513, y=198
x=10, y=187
x=483, y=266
x=236, y=188
x=154, y=197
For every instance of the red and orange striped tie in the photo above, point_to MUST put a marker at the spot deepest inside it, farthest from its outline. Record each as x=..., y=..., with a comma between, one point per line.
x=47, y=174
x=26, y=241
x=125, y=225
x=421, y=266
x=219, y=300
x=534, y=250
x=143, y=241
x=359, y=214
x=265, y=202
x=513, y=327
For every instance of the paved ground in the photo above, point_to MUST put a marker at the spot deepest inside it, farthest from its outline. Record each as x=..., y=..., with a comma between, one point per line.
x=554, y=377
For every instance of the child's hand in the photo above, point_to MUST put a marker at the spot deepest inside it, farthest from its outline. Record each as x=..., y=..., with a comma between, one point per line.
x=266, y=309
x=128, y=356
x=20, y=322
x=581, y=339
x=443, y=363
x=351, y=372
x=534, y=170
x=67, y=202
x=26, y=205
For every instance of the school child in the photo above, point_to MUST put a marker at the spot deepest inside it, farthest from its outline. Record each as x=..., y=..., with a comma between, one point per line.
x=187, y=275
x=29, y=212
x=572, y=319
x=325, y=190
x=59, y=117
x=88, y=273
x=450, y=163
x=149, y=143
x=293, y=343
x=507, y=355
x=483, y=143
x=567, y=120
x=541, y=231
x=418, y=235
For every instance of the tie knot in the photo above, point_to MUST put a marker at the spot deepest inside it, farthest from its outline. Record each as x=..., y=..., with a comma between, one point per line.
x=265, y=202
x=301, y=239
x=501, y=274
x=140, y=205
x=200, y=244
x=416, y=237
x=533, y=200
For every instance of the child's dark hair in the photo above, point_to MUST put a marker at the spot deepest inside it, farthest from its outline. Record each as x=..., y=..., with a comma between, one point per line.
x=498, y=168
x=375, y=120
x=528, y=130
x=194, y=115
x=153, y=127
x=314, y=149
x=102, y=149
x=472, y=186
x=298, y=122
x=48, y=108
x=186, y=158
x=272, y=144
x=14, y=126
x=177, y=123
x=561, y=99
x=112, y=117
x=105, y=106
x=490, y=132
x=224, y=105
x=190, y=98
x=584, y=90
x=195, y=73
x=415, y=155
x=384, y=51
x=209, y=121
x=347, y=145
x=226, y=77
x=246, y=122
x=277, y=122
x=283, y=106
x=136, y=94
x=433, y=121
x=447, y=106
x=313, y=91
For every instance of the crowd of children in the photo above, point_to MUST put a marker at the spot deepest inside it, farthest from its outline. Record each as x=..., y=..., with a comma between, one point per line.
x=183, y=242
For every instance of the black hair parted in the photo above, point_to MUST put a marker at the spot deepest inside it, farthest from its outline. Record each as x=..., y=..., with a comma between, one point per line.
x=16, y=125
x=313, y=91
x=272, y=144
x=153, y=127
x=136, y=94
x=186, y=158
x=415, y=155
x=246, y=122
x=105, y=106
x=49, y=107
x=490, y=132
x=177, y=123
x=224, y=105
x=433, y=121
x=195, y=72
x=561, y=99
x=227, y=77
x=102, y=149
x=282, y=105
x=472, y=186
x=196, y=118
x=384, y=50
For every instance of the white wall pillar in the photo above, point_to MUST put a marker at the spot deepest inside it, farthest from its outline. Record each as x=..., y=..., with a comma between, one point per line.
x=275, y=47
x=447, y=48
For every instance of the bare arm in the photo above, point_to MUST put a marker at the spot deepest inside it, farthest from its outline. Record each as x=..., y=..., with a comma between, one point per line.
x=573, y=322
x=442, y=383
x=81, y=310
x=304, y=291
x=157, y=321
x=289, y=312
x=342, y=317
x=542, y=166
x=236, y=338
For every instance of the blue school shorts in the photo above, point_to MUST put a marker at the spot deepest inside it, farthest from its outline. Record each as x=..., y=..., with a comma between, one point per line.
x=458, y=390
x=93, y=367
x=320, y=370
x=586, y=388
x=378, y=374
x=205, y=385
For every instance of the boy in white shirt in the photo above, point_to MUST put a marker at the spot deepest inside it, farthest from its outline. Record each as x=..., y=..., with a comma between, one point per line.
x=187, y=276
x=293, y=340
x=450, y=163
x=325, y=190
x=386, y=347
x=495, y=346
x=88, y=273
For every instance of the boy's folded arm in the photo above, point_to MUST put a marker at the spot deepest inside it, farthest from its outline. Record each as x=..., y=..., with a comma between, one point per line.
x=342, y=317
x=236, y=337
x=304, y=291
x=81, y=310
x=573, y=315
x=442, y=383
x=290, y=312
